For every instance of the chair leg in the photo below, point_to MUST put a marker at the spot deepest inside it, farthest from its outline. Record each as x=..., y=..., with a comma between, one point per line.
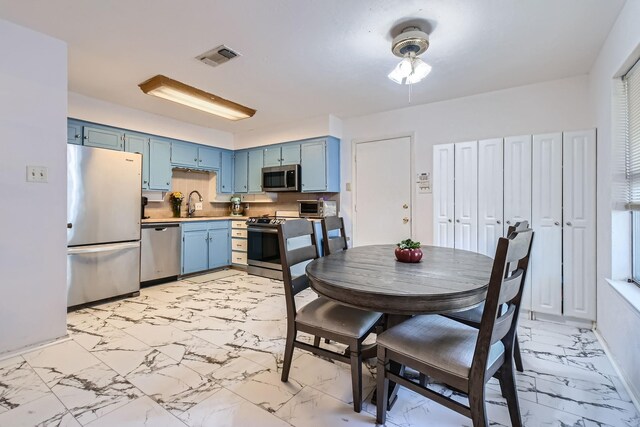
x=327, y=341
x=382, y=387
x=422, y=379
x=288, y=354
x=510, y=392
x=516, y=354
x=478, y=406
x=316, y=341
x=356, y=375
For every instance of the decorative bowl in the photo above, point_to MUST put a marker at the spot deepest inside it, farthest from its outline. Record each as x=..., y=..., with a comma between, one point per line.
x=408, y=255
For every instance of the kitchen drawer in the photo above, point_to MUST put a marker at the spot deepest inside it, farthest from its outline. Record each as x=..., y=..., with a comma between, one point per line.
x=239, y=224
x=239, y=233
x=239, y=245
x=239, y=258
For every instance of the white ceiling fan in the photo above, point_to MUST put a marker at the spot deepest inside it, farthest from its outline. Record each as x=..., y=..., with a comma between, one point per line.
x=408, y=45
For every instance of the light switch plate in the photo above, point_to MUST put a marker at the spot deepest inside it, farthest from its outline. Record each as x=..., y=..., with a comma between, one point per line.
x=37, y=174
x=198, y=206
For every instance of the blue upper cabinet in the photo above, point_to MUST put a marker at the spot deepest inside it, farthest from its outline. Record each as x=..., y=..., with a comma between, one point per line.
x=240, y=164
x=184, y=154
x=225, y=175
x=139, y=144
x=74, y=132
x=288, y=154
x=208, y=158
x=254, y=175
x=320, y=165
x=103, y=138
x=159, y=165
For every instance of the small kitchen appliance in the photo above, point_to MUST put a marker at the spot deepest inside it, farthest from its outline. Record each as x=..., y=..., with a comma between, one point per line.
x=236, y=206
x=317, y=208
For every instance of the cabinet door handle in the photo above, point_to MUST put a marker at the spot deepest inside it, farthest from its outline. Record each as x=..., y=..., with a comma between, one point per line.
x=196, y=160
x=556, y=223
x=457, y=220
x=168, y=183
x=498, y=222
x=508, y=222
x=449, y=220
x=569, y=223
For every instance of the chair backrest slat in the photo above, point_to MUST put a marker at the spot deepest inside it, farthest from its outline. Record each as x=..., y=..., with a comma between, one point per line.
x=502, y=325
x=333, y=244
x=305, y=253
x=510, y=287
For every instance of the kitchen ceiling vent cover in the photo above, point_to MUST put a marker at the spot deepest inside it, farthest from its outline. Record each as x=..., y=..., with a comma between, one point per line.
x=218, y=55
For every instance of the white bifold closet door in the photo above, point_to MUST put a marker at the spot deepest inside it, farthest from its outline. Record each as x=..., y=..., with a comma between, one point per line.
x=579, y=230
x=466, y=196
x=546, y=253
x=517, y=192
x=443, y=183
x=490, y=195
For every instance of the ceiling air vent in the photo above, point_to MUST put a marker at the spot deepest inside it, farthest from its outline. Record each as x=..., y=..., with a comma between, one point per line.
x=218, y=55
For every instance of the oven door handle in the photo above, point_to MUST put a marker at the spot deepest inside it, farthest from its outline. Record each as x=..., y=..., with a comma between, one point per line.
x=263, y=230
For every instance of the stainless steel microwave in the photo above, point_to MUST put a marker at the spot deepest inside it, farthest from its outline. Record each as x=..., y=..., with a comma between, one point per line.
x=281, y=178
x=317, y=208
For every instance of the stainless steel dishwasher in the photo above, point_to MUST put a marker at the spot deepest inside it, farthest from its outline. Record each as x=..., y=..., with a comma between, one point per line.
x=161, y=251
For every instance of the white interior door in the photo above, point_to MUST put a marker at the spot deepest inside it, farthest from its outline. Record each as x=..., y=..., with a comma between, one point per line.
x=383, y=191
x=443, y=178
x=579, y=231
x=466, y=196
x=546, y=253
x=517, y=192
x=490, y=195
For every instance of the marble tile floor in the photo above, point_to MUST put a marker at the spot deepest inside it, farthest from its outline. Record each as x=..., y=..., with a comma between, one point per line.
x=209, y=354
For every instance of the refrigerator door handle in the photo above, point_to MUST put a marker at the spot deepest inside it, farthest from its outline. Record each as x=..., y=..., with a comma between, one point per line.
x=102, y=248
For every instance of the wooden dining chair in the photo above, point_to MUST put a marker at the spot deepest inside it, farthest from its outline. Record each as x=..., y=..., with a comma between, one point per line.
x=333, y=244
x=320, y=317
x=473, y=316
x=459, y=356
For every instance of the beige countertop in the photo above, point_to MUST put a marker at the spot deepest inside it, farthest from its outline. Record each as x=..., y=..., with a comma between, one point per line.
x=197, y=218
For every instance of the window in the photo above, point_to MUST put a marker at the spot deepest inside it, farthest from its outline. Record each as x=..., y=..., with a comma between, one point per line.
x=631, y=133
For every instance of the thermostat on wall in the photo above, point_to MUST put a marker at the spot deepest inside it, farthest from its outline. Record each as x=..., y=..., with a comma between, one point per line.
x=424, y=183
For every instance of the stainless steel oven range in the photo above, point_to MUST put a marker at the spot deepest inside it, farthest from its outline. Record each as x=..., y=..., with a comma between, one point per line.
x=263, y=251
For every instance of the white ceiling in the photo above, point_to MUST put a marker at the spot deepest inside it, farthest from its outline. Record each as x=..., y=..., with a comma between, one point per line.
x=306, y=58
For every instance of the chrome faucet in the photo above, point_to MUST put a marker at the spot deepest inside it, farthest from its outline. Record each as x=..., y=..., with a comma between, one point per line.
x=190, y=207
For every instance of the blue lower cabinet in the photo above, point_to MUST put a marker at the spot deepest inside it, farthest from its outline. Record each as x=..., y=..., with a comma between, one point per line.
x=205, y=245
x=195, y=251
x=219, y=248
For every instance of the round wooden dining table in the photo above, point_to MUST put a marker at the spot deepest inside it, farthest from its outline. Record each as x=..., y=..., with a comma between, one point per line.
x=369, y=277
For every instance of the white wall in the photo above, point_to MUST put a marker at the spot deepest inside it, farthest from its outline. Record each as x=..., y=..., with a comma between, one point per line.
x=33, y=112
x=301, y=129
x=615, y=318
x=98, y=111
x=551, y=106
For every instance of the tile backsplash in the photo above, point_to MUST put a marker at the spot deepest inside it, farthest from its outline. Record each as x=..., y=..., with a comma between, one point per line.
x=205, y=183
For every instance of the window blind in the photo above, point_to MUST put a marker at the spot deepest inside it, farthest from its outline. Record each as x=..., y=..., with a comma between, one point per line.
x=631, y=82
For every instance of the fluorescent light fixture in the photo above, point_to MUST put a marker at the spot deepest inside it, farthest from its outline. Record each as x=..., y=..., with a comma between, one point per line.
x=173, y=90
x=410, y=70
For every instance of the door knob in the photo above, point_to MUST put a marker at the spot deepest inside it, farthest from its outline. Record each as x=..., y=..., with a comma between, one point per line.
x=405, y=206
x=569, y=223
x=405, y=220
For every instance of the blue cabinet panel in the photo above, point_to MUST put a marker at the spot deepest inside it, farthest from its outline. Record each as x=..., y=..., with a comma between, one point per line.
x=103, y=138
x=184, y=154
x=254, y=175
x=272, y=156
x=159, y=165
x=225, y=176
x=139, y=144
x=240, y=164
x=219, y=248
x=208, y=158
x=313, y=166
x=290, y=154
x=74, y=132
x=195, y=246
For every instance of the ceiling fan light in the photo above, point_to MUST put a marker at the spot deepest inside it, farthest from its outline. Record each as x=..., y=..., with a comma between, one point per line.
x=420, y=70
x=402, y=70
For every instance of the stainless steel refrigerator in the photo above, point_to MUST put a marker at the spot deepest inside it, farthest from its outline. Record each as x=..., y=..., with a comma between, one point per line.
x=103, y=223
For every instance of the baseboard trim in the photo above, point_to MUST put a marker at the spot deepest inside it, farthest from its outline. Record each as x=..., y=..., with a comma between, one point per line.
x=630, y=391
x=38, y=346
